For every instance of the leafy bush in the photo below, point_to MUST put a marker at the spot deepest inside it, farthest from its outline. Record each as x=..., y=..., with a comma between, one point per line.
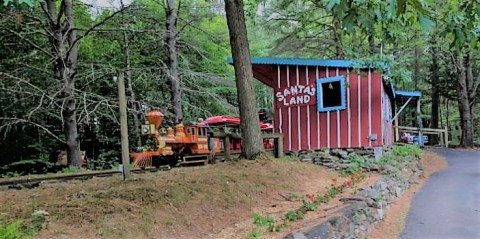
x=262, y=221
x=407, y=150
x=357, y=163
x=309, y=206
x=295, y=215
x=12, y=231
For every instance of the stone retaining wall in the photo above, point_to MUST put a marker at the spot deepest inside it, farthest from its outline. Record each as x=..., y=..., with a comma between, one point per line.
x=367, y=207
x=340, y=159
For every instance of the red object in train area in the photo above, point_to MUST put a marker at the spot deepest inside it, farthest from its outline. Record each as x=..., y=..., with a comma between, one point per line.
x=230, y=120
x=266, y=126
x=222, y=119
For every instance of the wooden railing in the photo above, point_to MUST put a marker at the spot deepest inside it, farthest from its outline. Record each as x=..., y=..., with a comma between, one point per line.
x=443, y=133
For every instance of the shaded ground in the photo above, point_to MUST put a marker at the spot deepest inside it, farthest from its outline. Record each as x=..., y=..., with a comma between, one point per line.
x=394, y=221
x=215, y=201
x=449, y=204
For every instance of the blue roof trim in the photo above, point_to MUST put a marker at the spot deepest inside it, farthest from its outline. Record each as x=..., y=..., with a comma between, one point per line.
x=309, y=62
x=408, y=93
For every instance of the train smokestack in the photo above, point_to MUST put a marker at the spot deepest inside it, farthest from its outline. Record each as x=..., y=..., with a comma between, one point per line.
x=155, y=117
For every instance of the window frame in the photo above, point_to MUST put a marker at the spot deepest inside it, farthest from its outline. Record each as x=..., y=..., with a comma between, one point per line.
x=320, y=81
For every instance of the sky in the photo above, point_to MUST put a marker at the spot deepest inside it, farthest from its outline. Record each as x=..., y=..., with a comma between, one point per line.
x=106, y=3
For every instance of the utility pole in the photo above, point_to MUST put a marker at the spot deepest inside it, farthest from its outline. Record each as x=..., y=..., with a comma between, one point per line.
x=122, y=102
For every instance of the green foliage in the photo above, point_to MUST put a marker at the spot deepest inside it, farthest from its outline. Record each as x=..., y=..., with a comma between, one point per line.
x=322, y=199
x=357, y=163
x=27, y=2
x=18, y=229
x=309, y=206
x=28, y=166
x=293, y=196
x=71, y=169
x=254, y=234
x=295, y=215
x=407, y=150
x=38, y=221
x=168, y=221
x=151, y=144
x=262, y=221
x=12, y=231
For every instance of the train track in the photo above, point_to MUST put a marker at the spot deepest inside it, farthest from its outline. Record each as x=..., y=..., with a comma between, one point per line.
x=35, y=182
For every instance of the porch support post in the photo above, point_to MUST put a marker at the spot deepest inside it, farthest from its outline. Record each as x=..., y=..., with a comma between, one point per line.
x=419, y=124
x=397, y=131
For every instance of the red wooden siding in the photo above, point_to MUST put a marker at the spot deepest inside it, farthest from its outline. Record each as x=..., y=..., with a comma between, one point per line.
x=305, y=128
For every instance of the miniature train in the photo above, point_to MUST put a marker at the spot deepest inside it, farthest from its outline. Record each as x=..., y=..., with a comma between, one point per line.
x=186, y=144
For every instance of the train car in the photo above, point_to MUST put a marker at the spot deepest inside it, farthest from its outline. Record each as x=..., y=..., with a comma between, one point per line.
x=184, y=144
x=230, y=124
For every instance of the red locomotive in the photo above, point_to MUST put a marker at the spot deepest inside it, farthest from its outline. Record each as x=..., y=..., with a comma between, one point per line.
x=187, y=143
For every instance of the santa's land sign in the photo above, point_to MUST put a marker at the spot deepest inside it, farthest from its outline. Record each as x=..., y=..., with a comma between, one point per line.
x=296, y=95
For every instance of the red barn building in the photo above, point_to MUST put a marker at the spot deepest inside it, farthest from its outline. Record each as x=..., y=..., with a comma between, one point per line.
x=327, y=103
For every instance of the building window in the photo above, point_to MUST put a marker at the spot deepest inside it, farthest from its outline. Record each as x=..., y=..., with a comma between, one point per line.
x=331, y=93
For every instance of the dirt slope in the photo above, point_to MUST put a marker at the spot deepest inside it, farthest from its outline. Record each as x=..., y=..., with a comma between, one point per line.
x=215, y=201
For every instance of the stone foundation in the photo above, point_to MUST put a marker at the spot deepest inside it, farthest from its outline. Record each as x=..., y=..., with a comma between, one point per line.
x=340, y=159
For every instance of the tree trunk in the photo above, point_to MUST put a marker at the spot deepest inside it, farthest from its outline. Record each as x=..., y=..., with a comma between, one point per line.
x=171, y=42
x=340, y=54
x=434, y=71
x=371, y=42
x=251, y=141
x=65, y=70
x=464, y=102
x=416, y=64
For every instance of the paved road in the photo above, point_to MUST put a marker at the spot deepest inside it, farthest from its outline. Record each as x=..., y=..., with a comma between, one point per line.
x=448, y=206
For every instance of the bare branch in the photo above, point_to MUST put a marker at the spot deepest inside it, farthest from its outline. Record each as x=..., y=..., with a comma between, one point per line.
x=94, y=27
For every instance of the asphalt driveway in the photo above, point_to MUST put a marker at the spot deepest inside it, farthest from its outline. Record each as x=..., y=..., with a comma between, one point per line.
x=448, y=206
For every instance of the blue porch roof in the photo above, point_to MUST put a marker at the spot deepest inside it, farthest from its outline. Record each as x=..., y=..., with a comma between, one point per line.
x=408, y=93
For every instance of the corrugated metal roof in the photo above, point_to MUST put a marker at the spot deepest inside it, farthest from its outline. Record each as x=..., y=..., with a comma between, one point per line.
x=311, y=62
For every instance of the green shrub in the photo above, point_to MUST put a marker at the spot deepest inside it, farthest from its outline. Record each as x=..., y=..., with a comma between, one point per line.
x=262, y=221
x=12, y=231
x=309, y=206
x=357, y=163
x=406, y=150
x=295, y=215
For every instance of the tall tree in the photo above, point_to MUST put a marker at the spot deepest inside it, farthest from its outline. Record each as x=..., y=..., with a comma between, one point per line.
x=64, y=50
x=467, y=88
x=171, y=42
x=251, y=141
x=461, y=21
x=435, y=91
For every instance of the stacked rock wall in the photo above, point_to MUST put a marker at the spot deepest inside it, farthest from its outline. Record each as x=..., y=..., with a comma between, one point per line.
x=368, y=206
x=339, y=159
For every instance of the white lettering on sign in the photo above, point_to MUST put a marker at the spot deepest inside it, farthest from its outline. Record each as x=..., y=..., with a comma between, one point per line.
x=296, y=95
